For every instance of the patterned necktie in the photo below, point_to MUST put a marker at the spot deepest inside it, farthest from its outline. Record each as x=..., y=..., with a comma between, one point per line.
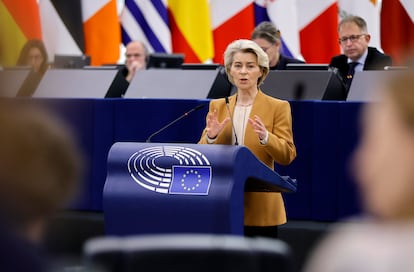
x=350, y=74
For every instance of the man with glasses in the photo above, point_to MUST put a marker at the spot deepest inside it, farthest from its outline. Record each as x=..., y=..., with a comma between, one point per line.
x=267, y=36
x=136, y=59
x=357, y=55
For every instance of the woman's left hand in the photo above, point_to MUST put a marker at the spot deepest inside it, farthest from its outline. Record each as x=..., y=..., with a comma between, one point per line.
x=258, y=127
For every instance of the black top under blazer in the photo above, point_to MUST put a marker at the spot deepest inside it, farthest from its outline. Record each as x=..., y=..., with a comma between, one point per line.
x=283, y=61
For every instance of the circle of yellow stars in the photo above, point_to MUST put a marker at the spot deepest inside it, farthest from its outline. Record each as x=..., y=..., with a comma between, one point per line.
x=190, y=188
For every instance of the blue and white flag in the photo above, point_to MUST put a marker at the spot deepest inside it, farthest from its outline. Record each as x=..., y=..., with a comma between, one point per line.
x=283, y=14
x=146, y=21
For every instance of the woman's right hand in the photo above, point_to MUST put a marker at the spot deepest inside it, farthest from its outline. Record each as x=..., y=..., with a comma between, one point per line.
x=214, y=126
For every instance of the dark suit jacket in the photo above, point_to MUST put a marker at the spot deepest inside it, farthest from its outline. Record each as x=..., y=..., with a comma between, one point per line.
x=375, y=61
x=261, y=208
x=283, y=61
x=119, y=84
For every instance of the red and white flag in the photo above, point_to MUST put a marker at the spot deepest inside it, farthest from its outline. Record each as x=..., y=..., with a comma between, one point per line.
x=284, y=14
x=397, y=29
x=231, y=20
x=318, y=24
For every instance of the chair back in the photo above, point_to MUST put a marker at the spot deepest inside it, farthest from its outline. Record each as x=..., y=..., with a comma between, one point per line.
x=187, y=252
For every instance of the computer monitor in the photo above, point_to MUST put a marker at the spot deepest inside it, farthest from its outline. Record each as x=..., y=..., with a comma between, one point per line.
x=200, y=66
x=171, y=84
x=304, y=85
x=221, y=86
x=366, y=85
x=389, y=68
x=307, y=66
x=164, y=60
x=12, y=80
x=75, y=83
x=71, y=61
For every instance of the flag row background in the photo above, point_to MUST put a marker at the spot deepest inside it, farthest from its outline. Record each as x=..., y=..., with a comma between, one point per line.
x=201, y=29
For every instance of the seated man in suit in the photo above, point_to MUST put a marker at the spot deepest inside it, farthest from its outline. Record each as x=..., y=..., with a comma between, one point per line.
x=136, y=56
x=357, y=55
x=136, y=59
x=267, y=36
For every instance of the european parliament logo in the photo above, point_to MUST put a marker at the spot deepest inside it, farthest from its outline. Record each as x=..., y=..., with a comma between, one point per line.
x=190, y=180
x=171, y=170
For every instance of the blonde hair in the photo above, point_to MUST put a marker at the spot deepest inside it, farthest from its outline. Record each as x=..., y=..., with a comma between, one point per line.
x=246, y=46
x=400, y=87
x=268, y=31
x=359, y=21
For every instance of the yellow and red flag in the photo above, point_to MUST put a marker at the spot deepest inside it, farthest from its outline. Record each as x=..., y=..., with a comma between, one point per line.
x=19, y=22
x=191, y=29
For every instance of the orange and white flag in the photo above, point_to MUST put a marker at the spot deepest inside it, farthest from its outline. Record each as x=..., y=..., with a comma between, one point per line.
x=102, y=31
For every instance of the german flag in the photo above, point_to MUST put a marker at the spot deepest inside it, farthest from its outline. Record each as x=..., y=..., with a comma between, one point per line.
x=19, y=22
x=62, y=27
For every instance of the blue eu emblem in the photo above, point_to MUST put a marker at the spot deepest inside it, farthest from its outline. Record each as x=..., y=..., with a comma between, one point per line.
x=191, y=180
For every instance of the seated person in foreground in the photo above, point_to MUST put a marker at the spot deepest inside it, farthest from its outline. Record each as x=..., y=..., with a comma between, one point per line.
x=40, y=168
x=382, y=239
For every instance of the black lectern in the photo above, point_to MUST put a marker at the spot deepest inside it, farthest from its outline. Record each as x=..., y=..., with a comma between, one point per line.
x=154, y=188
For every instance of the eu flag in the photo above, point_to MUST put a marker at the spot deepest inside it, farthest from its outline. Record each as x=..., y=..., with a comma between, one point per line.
x=190, y=180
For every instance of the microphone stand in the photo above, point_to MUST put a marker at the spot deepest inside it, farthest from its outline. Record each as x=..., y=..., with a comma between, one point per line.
x=236, y=142
x=173, y=122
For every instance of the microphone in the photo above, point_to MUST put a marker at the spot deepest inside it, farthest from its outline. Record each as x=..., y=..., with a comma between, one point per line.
x=337, y=74
x=344, y=87
x=299, y=91
x=174, y=121
x=231, y=119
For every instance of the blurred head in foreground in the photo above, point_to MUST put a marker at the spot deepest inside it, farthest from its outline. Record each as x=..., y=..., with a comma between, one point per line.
x=40, y=167
x=383, y=164
x=384, y=159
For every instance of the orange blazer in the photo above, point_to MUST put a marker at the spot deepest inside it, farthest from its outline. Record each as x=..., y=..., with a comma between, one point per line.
x=261, y=208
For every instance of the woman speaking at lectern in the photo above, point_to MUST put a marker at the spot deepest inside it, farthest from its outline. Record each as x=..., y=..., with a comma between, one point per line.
x=255, y=120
